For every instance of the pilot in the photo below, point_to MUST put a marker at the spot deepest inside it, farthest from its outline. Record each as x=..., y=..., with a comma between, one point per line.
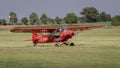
x=52, y=34
x=59, y=38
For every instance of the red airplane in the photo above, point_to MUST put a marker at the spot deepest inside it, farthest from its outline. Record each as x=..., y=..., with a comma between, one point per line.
x=49, y=34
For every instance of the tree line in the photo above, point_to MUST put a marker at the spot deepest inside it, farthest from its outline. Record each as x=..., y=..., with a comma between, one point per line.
x=89, y=14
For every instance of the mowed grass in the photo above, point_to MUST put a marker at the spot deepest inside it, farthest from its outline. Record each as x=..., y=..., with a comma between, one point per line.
x=95, y=48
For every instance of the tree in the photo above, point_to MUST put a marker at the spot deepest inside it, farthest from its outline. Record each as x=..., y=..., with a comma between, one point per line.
x=50, y=20
x=44, y=18
x=71, y=18
x=58, y=20
x=116, y=20
x=104, y=17
x=24, y=21
x=13, y=18
x=81, y=19
x=33, y=18
x=90, y=13
x=3, y=22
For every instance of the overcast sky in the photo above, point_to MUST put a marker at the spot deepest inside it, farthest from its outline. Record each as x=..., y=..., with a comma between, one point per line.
x=54, y=8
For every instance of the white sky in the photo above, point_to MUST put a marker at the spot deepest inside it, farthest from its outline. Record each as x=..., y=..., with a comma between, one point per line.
x=55, y=8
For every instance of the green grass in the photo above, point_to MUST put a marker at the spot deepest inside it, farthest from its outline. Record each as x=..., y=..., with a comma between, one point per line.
x=95, y=48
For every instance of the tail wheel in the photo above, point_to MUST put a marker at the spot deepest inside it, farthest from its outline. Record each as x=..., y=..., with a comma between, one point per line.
x=72, y=44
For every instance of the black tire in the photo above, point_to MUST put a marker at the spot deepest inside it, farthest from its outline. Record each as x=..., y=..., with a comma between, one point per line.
x=72, y=44
x=35, y=42
x=56, y=45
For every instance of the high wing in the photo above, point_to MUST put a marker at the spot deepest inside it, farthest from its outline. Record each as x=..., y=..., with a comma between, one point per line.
x=30, y=29
x=49, y=30
x=83, y=27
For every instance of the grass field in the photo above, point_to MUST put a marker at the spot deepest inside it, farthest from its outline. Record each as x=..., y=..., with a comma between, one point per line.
x=96, y=48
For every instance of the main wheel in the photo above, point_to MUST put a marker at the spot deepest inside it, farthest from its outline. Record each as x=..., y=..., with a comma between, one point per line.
x=35, y=42
x=72, y=44
x=56, y=45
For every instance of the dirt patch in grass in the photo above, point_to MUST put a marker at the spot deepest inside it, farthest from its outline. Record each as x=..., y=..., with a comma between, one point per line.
x=6, y=27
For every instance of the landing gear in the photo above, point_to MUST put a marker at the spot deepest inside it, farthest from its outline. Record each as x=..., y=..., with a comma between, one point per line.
x=35, y=42
x=56, y=45
x=72, y=44
x=64, y=43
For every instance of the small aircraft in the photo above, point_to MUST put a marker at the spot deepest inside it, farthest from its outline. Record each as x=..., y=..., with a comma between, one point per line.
x=49, y=34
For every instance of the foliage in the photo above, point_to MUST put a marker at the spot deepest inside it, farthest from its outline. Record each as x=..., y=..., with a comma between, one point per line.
x=71, y=18
x=104, y=17
x=33, y=18
x=24, y=20
x=116, y=20
x=13, y=18
x=50, y=20
x=90, y=13
x=81, y=19
x=44, y=18
x=58, y=20
x=3, y=22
